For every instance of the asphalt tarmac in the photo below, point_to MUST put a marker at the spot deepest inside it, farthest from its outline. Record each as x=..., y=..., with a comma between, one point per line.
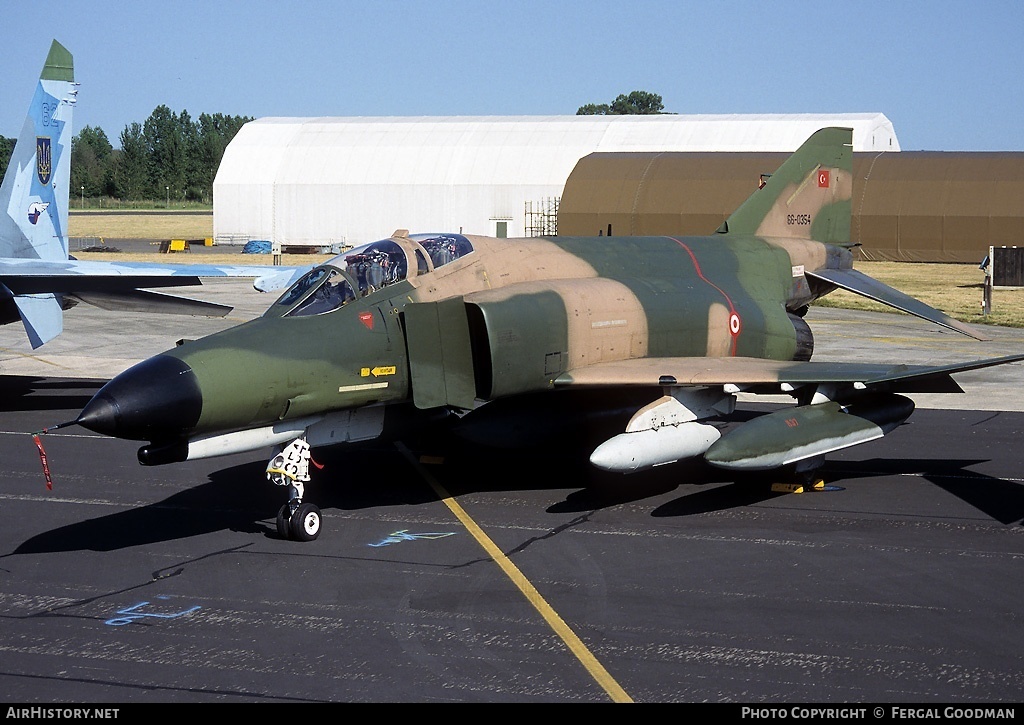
x=446, y=574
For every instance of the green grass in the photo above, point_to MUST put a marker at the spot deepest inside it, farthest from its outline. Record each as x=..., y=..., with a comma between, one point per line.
x=140, y=224
x=956, y=289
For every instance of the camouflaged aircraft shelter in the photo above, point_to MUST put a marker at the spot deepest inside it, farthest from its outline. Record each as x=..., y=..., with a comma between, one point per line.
x=918, y=206
x=351, y=180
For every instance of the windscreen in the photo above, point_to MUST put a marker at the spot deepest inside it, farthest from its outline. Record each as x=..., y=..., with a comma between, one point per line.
x=364, y=270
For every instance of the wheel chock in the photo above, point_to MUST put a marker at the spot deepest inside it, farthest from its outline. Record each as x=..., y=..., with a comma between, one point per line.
x=787, y=488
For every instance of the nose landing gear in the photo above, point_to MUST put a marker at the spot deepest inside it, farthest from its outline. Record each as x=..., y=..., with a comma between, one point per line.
x=296, y=520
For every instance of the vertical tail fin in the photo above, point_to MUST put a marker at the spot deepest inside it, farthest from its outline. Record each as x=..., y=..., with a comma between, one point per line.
x=35, y=191
x=808, y=197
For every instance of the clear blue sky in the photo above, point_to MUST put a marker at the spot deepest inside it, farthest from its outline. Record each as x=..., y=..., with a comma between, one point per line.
x=947, y=74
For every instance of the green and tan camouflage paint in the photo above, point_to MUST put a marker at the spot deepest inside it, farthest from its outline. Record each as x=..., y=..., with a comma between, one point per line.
x=545, y=307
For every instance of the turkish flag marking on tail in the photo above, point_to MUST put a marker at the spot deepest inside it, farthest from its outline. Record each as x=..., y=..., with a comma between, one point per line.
x=823, y=178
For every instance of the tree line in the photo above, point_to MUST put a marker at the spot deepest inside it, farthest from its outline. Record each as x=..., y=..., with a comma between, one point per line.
x=172, y=157
x=635, y=103
x=169, y=157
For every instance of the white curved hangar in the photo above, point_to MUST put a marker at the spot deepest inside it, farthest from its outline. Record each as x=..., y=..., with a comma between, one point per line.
x=348, y=180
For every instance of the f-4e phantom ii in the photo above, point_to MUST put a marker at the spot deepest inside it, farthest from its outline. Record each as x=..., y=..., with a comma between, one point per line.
x=494, y=330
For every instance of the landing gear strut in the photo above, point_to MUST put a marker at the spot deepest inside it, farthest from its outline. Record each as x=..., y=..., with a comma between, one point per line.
x=295, y=520
x=808, y=473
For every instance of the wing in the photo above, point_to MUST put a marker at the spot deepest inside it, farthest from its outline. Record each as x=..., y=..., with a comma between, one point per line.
x=34, y=276
x=758, y=375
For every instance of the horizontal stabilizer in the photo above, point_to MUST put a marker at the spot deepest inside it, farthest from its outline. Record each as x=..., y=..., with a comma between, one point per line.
x=859, y=283
x=794, y=434
x=42, y=316
x=147, y=301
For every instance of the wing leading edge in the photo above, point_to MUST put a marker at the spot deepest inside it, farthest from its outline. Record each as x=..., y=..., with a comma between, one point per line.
x=744, y=373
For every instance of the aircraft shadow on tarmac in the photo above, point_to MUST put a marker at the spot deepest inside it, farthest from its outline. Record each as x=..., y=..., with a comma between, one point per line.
x=704, y=493
x=239, y=498
x=997, y=498
x=195, y=511
x=1000, y=499
x=29, y=393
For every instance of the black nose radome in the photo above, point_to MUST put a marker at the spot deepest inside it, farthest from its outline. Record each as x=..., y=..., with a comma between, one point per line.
x=158, y=399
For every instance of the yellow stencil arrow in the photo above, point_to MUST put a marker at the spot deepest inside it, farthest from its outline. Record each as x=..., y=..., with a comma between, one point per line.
x=377, y=371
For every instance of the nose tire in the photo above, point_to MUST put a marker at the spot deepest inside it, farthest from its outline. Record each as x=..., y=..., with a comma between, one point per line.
x=284, y=522
x=302, y=525
x=305, y=522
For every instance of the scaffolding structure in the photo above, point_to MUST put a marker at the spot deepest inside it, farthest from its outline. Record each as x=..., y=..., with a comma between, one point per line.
x=542, y=217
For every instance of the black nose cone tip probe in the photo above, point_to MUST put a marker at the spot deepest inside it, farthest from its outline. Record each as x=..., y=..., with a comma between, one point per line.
x=157, y=400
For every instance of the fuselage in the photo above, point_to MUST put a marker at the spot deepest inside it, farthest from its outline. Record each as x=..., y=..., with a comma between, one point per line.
x=533, y=309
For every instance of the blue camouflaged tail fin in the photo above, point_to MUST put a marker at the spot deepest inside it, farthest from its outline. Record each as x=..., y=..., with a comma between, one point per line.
x=35, y=192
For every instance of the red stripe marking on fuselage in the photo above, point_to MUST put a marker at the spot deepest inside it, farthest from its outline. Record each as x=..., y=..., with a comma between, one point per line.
x=732, y=307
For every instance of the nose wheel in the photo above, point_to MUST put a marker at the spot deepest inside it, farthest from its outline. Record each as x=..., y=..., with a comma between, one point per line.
x=301, y=523
x=296, y=520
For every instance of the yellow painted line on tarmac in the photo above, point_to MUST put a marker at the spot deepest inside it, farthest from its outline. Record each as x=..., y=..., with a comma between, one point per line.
x=573, y=642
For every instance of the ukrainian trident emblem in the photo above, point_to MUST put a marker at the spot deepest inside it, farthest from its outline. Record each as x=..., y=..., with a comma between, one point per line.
x=44, y=159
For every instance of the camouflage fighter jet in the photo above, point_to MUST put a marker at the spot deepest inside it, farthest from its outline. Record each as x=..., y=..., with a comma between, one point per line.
x=495, y=331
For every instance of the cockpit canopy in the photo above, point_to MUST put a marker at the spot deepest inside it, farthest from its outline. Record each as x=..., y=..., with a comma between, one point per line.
x=364, y=270
x=443, y=248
